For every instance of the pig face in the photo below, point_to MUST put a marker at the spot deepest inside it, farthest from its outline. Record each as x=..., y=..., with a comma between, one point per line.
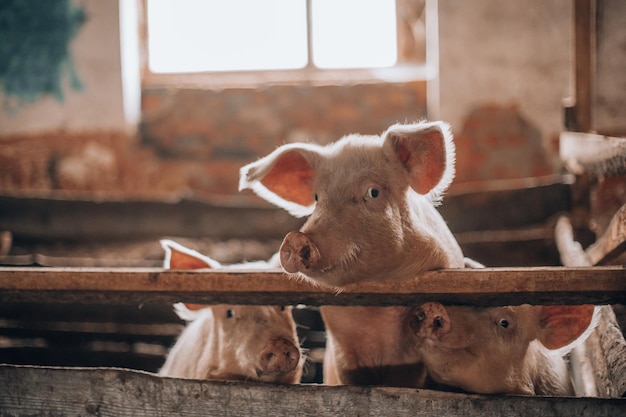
x=370, y=201
x=516, y=350
x=236, y=342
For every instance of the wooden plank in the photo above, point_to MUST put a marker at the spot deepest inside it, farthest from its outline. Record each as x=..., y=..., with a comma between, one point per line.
x=494, y=205
x=79, y=355
x=572, y=253
x=584, y=53
x=605, y=348
x=64, y=215
x=113, y=392
x=612, y=242
x=42, y=218
x=489, y=286
x=95, y=313
x=588, y=153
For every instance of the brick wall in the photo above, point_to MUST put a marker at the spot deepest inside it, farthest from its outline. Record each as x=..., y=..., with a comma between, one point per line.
x=194, y=141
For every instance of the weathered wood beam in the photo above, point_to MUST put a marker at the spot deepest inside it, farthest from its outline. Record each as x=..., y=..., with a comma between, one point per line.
x=612, y=242
x=605, y=348
x=77, y=216
x=113, y=392
x=571, y=252
x=584, y=53
x=488, y=287
x=593, y=154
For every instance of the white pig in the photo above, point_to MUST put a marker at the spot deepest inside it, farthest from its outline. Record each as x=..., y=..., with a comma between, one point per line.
x=235, y=342
x=371, y=201
x=510, y=350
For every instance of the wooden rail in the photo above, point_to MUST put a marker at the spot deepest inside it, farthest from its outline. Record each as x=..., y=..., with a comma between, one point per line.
x=486, y=287
x=116, y=392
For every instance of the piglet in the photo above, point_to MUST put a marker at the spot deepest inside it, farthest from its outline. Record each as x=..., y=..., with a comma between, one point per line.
x=507, y=350
x=372, y=217
x=235, y=342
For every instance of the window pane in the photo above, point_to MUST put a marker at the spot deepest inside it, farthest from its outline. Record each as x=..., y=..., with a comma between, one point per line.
x=218, y=35
x=354, y=33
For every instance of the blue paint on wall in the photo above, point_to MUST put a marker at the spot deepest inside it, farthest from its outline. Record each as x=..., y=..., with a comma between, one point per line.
x=34, y=49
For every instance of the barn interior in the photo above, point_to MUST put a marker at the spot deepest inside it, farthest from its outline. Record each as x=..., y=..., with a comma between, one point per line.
x=102, y=154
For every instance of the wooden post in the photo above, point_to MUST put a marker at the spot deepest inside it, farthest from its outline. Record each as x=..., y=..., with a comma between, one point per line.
x=584, y=53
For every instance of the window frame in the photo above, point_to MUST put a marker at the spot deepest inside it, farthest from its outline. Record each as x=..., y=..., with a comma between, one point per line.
x=405, y=70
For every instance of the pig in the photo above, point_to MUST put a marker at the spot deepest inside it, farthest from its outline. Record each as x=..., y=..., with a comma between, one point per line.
x=371, y=346
x=370, y=200
x=501, y=350
x=233, y=342
x=372, y=217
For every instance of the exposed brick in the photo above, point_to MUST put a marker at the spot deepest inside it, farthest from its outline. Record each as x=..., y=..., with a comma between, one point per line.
x=499, y=143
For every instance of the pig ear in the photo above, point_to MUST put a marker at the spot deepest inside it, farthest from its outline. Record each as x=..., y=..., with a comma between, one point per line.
x=179, y=257
x=426, y=152
x=284, y=177
x=563, y=327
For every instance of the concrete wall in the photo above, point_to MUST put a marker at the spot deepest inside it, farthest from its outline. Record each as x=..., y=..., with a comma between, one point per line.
x=505, y=67
x=93, y=64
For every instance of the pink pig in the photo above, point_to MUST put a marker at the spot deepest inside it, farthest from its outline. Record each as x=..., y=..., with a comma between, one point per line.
x=236, y=342
x=512, y=350
x=371, y=201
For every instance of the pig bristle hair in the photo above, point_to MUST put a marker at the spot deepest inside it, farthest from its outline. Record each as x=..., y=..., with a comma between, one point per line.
x=300, y=277
x=338, y=290
x=168, y=245
x=595, y=320
x=436, y=194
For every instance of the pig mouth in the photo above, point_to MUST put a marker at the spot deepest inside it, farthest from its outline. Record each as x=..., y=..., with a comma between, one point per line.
x=331, y=264
x=344, y=267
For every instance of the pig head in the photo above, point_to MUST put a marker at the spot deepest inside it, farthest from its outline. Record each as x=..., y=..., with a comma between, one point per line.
x=235, y=342
x=513, y=350
x=370, y=200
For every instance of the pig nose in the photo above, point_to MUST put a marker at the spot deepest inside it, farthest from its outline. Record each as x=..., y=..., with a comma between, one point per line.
x=279, y=356
x=298, y=253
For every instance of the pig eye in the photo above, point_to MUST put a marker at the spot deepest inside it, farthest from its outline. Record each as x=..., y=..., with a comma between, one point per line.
x=420, y=315
x=230, y=314
x=373, y=192
x=504, y=323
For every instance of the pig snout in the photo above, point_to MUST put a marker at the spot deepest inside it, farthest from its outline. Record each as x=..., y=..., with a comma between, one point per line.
x=298, y=253
x=431, y=321
x=279, y=356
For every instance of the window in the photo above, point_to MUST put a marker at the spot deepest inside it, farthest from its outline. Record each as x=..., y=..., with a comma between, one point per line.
x=233, y=35
x=256, y=41
x=353, y=33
